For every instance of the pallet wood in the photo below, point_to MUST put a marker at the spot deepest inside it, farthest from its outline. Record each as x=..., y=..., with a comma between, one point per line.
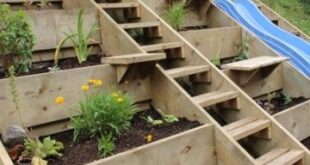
x=193, y=146
x=213, y=98
x=44, y=88
x=121, y=5
x=164, y=46
x=291, y=157
x=188, y=70
x=296, y=120
x=270, y=156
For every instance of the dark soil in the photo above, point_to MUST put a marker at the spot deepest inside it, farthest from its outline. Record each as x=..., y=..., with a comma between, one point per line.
x=277, y=104
x=63, y=64
x=306, y=142
x=194, y=28
x=86, y=151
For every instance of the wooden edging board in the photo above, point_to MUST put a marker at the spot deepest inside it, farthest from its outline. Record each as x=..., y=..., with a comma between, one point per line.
x=296, y=120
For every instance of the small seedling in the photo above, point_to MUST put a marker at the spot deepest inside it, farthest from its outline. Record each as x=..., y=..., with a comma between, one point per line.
x=287, y=98
x=47, y=148
x=217, y=59
x=170, y=118
x=165, y=119
x=106, y=145
x=154, y=122
x=243, y=50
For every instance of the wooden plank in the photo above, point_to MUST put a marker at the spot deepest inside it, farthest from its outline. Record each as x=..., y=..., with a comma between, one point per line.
x=187, y=70
x=296, y=120
x=139, y=25
x=133, y=58
x=212, y=98
x=239, y=123
x=270, y=156
x=22, y=1
x=162, y=46
x=120, y=5
x=254, y=63
x=4, y=157
x=288, y=158
x=210, y=42
x=249, y=129
x=38, y=92
x=195, y=146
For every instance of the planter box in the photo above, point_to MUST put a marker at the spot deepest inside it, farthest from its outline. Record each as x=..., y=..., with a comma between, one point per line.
x=194, y=146
x=37, y=94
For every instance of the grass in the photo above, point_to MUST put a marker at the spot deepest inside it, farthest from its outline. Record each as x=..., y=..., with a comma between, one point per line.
x=295, y=11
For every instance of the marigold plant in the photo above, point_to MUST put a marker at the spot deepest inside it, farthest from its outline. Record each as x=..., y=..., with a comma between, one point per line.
x=101, y=113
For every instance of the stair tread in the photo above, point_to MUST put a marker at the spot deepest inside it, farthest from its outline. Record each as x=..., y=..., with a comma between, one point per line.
x=162, y=46
x=216, y=97
x=139, y=25
x=187, y=70
x=134, y=58
x=248, y=128
x=271, y=155
x=119, y=5
x=254, y=63
x=288, y=158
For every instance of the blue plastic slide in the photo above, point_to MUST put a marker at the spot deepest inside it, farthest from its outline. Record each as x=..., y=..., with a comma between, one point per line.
x=286, y=44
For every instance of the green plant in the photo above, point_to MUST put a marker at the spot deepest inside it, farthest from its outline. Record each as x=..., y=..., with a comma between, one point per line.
x=165, y=119
x=175, y=15
x=106, y=145
x=102, y=113
x=44, y=3
x=80, y=40
x=243, y=49
x=47, y=148
x=216, y=60
x=16, y=39
x=287, y=98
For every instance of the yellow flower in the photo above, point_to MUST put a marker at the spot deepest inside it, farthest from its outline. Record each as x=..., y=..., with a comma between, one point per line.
x=59, y=100
x=98, y=82
x=149, y=138
x=91, y=81
x=120, y=99
x=84, y=88
x=114, y=94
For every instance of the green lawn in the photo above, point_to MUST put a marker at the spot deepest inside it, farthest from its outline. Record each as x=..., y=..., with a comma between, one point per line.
x=295, y=11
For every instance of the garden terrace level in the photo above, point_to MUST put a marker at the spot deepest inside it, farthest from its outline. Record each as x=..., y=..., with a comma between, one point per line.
x=263, y=73
x=162, y=84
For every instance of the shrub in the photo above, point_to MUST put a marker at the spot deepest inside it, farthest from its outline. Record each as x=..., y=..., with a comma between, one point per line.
x=16, y=39
x=103, y=113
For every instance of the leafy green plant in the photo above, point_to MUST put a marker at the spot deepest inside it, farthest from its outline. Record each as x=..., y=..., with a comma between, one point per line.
x=175, y=15
x=80, y=40
x=243, y=50
x=165, y=119
x=287, y=98
x=106, y=145
x=216, y=60
x=103, y=113
x=47, y=148
x=16, y=39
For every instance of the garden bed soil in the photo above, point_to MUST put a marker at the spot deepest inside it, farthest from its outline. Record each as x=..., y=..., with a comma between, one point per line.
x=86, y=150
x=306, y=142
x=277, y=104
x=63, y=64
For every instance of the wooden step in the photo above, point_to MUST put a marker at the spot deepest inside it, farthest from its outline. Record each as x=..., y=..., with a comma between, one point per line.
x=281, y=156
x=162, y=46
x=139, y=25
x=133, y=58
x=23, y=1
x=213, y=98
x=247, y=126
x=121, y=5
x=187, y=70
x=254, y=63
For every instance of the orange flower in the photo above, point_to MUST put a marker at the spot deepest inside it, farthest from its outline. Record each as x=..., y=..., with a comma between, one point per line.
x=84, y=88
x=149, y=138
x=59, y=100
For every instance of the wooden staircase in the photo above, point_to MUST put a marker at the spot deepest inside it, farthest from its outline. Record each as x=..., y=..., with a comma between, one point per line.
x=198, y=70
